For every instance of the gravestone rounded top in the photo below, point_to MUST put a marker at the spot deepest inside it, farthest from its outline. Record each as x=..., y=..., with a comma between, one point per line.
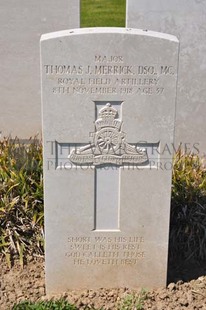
x=109, y=30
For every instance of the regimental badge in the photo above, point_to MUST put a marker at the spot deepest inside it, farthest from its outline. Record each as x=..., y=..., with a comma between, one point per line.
x=108, y=145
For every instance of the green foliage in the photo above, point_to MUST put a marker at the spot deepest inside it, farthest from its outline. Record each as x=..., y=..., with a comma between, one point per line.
x=60, y=304
x=188, y=208
x=21, y=198
x=103, y=13
x=133, y=301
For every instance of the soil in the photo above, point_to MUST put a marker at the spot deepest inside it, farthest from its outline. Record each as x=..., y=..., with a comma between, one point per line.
x=186, y=289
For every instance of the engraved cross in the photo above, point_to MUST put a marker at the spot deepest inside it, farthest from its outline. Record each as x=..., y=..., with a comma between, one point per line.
x=108, y=152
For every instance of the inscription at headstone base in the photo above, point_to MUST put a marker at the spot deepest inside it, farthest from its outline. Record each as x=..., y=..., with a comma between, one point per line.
x=108, y=112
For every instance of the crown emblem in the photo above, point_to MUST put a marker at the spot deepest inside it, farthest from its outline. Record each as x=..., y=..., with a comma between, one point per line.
x=107, y=117
x=108, y=111
x=109, y=145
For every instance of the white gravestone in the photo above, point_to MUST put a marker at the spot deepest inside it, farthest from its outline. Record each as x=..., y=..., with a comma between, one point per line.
x=108, y=112
x=22, y=23
x=186, y=20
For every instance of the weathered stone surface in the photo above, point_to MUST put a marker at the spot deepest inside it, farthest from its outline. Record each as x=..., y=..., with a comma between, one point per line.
x=22, y=23
x=186, y=20
x=108, y=113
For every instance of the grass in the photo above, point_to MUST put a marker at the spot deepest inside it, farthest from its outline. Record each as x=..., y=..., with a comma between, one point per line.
x=21, y=199
x=133, y=301
x=129, y=302
x=188, y=208
x=60, y=304
x=103, y=13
